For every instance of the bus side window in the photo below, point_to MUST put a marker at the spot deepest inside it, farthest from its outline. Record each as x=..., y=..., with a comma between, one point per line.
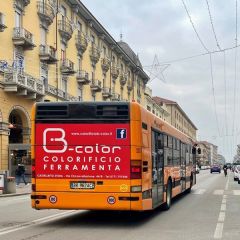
x=170, y=151
x=187, y=155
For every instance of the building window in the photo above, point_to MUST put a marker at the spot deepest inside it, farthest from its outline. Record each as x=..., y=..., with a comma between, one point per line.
x=63, y=52
x=44, y=74
x=63, y=11
x=80, y=94
x=113, y=60
x=79, y=27
x=104, y=51
x=43, y=36
x=79, y=64
x=64, y=86
x=18, y=18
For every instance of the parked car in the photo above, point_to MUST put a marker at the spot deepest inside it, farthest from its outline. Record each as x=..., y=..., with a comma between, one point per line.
x=236, y=172
x=215, y=168
x=197, y=169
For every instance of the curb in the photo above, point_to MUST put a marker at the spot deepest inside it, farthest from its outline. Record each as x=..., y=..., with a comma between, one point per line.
x=13, y=194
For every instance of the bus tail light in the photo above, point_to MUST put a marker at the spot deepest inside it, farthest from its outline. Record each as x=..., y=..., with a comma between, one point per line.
x=136, y=169
x=33, y=172
x=34, y=187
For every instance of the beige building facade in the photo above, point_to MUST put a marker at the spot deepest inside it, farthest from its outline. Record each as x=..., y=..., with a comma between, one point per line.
x=177, y=117
x=209, y=153
x=56, y=51
x=152, y=106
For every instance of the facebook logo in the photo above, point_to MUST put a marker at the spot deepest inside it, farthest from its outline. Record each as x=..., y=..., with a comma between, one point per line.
x=121, y=133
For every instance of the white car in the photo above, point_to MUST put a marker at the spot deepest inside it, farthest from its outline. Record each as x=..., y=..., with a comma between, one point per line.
x=236, y=173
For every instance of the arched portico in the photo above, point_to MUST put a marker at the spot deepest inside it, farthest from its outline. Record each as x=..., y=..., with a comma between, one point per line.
x=19, y=139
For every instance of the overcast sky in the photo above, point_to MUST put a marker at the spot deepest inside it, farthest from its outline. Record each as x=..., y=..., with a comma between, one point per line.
x=163, y=28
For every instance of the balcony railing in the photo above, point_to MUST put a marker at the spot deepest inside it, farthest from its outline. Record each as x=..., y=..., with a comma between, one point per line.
x=105, y=64
x=115, y=97
x=114, y=72
x=81, y=43
x=94, y=54
x=2, y=22
x=82, y=77
x=67, y=67
x=23, y=84
x=106, y=92
x=65, y=30
x=60, y=93
x=96, y=85
x=123, y=78
x=45, y=12
x=47, y=54
x=23, y=38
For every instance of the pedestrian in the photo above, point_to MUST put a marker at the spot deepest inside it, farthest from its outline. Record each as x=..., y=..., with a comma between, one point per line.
x=20, y=174
x=225, y=169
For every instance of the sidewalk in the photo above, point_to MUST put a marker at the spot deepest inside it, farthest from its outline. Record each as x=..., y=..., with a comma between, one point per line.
x=22, y=189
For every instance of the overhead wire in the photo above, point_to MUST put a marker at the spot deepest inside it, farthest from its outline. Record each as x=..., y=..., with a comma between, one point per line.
x=194, y=28
x=213, y=93
x=211, y=20
x=235, y=74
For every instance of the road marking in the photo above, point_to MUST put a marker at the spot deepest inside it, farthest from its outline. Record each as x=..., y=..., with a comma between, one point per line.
x=224, y=201
x=223, y=207
x=236, y=192
x=221, y=217
x=226, y=187
x=224, y=196
x=218, y=192
x=218, y=231
x=199, y=191
x=37, y=221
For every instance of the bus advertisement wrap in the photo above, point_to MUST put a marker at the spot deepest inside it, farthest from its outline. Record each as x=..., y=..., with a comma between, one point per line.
x=96, y=151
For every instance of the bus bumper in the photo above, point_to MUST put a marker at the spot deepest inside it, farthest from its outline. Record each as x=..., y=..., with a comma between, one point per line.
x=87, y=201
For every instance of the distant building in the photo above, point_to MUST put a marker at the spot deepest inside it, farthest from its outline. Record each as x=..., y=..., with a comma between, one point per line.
x=221, y=159
x=177, y=117
x=152, y=106
x=203, y=159
x=208, y=154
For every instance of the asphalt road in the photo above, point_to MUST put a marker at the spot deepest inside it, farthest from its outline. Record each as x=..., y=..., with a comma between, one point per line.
x=210, y=211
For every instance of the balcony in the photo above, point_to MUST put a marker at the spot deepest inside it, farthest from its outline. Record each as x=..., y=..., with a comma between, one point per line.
x=96, y=85
x=3, y=66
x=23, y=84
x=82, y=77
x=23, y=38
x=25, y=2
x=67, y=67
x=2, y=22
x=115, y=97
x=81, y=43
x=94, y=54
x=123, y=78
x=45, y=12
x=47, y=54
x=65, y=29
x=114, y=72
x=60, y=93
x=106, y=64
x=106, y=92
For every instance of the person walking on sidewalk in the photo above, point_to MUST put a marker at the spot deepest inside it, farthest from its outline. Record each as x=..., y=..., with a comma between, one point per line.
x=20, y=174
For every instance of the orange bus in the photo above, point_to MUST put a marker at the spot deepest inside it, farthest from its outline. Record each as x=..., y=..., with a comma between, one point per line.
x=107, y=156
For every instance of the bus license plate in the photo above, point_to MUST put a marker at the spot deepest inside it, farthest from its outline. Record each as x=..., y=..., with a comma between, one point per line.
x=82, y=185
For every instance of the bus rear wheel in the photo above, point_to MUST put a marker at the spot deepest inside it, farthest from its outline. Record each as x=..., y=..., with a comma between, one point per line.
x=168, y=202
x=191, y=184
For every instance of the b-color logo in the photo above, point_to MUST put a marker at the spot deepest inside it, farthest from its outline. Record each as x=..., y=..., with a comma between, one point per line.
x=58, y=139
